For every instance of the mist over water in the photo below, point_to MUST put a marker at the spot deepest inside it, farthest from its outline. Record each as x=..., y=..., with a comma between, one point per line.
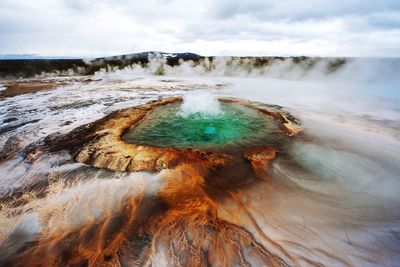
x=331, y=196
x=204, y=104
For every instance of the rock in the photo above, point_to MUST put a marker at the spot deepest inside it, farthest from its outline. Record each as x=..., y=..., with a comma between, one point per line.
x=260, y=153
x=119, y=163
x=9, y=120
x=260, y=158
x=290, y=125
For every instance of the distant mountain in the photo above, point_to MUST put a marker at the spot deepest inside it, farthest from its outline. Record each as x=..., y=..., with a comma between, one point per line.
x=31, y=56
x=154, y=54
x=14, y=56
x=142, y=55
x=20, y=56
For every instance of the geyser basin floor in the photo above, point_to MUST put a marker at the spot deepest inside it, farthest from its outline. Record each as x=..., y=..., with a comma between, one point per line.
x=235, y=126
x=311, y=217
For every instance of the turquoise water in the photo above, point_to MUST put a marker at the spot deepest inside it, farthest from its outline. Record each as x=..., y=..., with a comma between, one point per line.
x=236, y=125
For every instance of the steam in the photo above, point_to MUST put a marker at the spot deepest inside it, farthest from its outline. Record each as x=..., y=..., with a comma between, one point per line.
x=353, y=70
x=202, y=104
x=359, y=175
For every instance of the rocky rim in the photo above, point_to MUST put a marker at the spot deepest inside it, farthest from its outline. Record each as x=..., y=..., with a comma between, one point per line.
x=99, y=144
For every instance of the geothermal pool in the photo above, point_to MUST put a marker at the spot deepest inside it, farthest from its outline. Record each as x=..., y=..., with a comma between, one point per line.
x=326, y=196
x=231, y=125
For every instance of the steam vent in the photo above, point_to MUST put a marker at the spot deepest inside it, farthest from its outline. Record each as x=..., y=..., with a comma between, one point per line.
x=157, y=136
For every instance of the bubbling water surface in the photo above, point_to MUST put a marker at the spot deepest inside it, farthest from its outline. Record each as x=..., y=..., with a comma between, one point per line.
x=235, y=126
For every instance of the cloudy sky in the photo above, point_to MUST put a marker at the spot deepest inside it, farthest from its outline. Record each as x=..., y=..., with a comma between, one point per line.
x=208, y=27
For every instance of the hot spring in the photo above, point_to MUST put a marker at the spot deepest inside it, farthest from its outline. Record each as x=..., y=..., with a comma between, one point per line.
x=234, y=127
x=168, y=132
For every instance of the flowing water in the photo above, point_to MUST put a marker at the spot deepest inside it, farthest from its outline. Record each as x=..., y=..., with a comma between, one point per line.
x=331, y=197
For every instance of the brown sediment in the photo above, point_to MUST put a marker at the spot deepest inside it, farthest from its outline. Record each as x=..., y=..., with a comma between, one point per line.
x=260, y=157
x=99, y=144
x=260, y=153
x=14, y=88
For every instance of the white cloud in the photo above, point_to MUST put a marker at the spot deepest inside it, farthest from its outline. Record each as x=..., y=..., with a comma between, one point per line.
x=257, y=27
